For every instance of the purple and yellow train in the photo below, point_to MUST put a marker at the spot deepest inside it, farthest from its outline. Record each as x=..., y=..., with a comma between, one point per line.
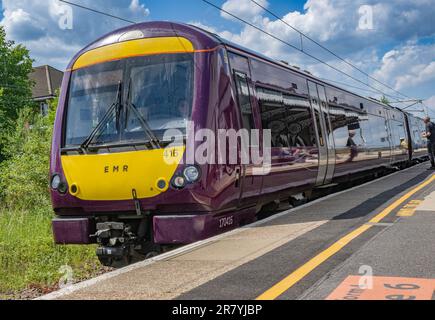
x=110, y=185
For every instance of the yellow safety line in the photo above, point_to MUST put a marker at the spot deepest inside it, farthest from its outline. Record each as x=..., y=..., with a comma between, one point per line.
x=286, y=283
x=402, y=199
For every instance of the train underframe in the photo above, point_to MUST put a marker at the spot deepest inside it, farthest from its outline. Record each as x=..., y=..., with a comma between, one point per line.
x=124, y=241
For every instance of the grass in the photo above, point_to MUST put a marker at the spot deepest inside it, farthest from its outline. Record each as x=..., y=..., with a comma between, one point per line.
x=30, y=263
x=29, y=259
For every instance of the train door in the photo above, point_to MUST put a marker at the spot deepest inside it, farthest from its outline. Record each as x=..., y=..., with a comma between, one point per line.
x=410, y=136
x=389, y=129
x=324, y=135
x=249, y=184
x=324, y=107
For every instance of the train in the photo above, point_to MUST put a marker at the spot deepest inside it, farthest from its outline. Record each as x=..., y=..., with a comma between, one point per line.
x=117, y=181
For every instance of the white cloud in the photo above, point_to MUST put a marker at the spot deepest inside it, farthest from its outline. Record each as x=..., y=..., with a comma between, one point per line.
x=138, y=8
x=335, y=23
x=224, y=34
x=430, y=103
x=408, y=66
x=244, y=9
x=322, y=20
x=34, y=23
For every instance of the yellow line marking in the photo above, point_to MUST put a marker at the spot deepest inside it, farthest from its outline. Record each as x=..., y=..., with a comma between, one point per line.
x=408, y=213
x=302, y=271
x=402, y=199
x=408, y=210
x=414, y=202
x=286, y=283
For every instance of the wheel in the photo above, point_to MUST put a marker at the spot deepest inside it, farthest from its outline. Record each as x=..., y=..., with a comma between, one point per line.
x=151, y=254
x=147, y=251
x=150, y=250
x=115, y=263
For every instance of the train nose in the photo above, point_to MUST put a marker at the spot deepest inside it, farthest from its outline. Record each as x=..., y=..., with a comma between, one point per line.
x=114, y=176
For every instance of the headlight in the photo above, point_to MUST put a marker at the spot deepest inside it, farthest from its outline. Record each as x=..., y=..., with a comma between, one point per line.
x=63, y=188
x=191, y=174
x=58, y=184
x=179, y=182
x=55, y=182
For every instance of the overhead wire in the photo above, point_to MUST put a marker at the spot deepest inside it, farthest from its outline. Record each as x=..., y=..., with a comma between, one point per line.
x=374, y=89
x=327, y=49
x=98, y=11
x=292, y=46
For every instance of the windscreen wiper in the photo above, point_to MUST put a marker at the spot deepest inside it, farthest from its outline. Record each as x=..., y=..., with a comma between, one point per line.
x=108, y=115
x=154, y=141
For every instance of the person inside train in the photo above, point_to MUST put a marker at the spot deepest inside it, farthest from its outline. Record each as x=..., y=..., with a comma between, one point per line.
x=183, y=108
x=429, y=134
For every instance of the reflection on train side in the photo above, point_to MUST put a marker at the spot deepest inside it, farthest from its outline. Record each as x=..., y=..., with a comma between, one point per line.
x=360, y=136
x=416, y=128
x=289, y=119
x=294, y=148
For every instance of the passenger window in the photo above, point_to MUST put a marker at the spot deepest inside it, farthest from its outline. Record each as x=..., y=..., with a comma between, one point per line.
x=347, y=128
x=299, y=122
x=244, y=99
x=273, y=115
x=288, y=117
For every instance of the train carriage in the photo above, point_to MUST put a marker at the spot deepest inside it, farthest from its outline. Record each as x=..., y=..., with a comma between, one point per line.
x=117, y=180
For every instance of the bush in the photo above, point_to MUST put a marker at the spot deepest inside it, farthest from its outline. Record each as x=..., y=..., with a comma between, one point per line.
x=24, y=173
x=28, y=256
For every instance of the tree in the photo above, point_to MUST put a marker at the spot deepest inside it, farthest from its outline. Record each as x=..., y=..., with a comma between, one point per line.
x=385, y=100
x=15, y=85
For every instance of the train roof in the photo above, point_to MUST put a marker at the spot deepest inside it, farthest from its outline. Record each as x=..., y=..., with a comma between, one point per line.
x=202, y=40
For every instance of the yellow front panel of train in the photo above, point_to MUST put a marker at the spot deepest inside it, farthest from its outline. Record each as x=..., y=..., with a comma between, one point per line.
x=133, y=48
x=114, y=176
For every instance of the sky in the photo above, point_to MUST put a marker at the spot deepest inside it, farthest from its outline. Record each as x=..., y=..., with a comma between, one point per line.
x=391, y=41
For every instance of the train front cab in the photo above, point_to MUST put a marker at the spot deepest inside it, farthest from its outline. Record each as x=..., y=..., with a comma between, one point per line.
x=115, y=180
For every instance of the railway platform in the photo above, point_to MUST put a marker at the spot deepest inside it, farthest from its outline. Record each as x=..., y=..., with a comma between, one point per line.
x=373, y=241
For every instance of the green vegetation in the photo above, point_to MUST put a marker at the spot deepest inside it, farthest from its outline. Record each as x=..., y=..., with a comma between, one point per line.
x=30, y=260
x=24, y=173
x=28, y=257
x=15, y=86
x=385, y=100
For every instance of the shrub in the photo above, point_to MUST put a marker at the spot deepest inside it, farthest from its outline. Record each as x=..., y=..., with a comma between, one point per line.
x=28, y=255
x=24, y=175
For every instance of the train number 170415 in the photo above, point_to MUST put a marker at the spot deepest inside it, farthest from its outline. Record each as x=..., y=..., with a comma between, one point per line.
x=226, y=222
